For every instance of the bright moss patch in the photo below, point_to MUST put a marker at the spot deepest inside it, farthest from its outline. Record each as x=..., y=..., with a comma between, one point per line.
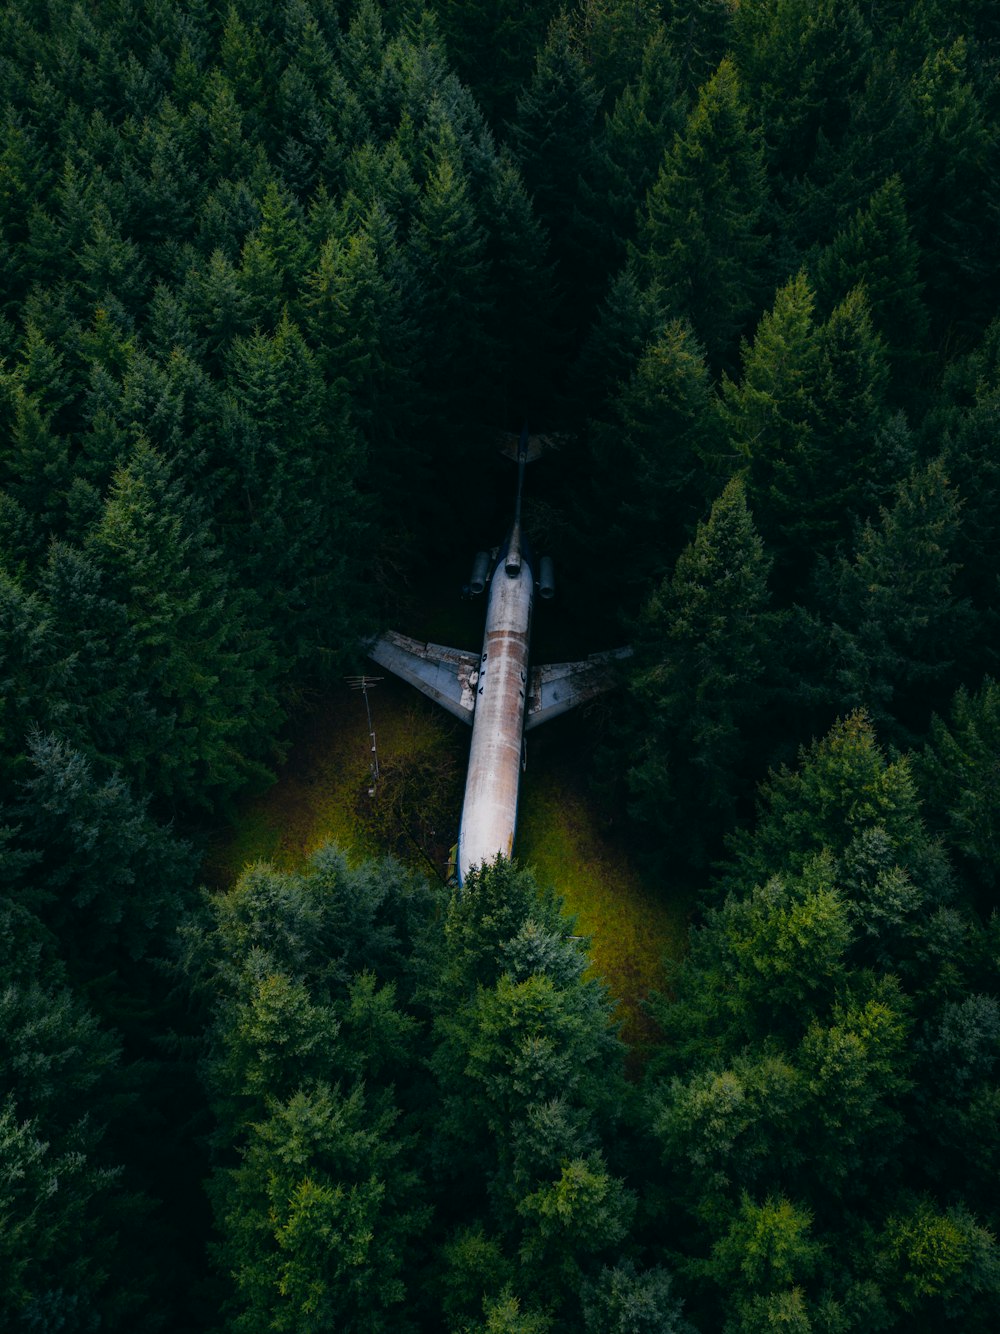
x=632, y=925
x=322, y=793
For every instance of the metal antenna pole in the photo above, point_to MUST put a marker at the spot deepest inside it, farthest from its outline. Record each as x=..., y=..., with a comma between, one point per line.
x=364, y=684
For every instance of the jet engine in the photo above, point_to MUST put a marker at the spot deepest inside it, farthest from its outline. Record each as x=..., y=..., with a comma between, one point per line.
x=480, y=572
x=546, y=577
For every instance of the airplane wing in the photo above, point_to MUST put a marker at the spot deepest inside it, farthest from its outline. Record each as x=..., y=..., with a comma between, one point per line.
x=562, y=685
x=447, y=675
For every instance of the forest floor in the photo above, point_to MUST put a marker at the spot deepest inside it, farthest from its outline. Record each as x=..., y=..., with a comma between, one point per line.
x=323, y=793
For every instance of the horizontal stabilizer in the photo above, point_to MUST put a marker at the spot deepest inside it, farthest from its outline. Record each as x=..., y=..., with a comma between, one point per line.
x=510, y=444
x=562, y=685
x=445, y=675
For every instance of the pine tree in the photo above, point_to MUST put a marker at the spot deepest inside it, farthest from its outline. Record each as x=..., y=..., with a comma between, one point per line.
x=801, y=62
x=356, y=318
x=553, y=136
x=806, y=415
x=638, y=131
x=953, y=164
x=631, y=317
x=896, y=626
x=492, y=46
x=108, y=880
x=306, y=1047
x=613, y=34
x=295, y=458
x=954, y=771
x=648, y=461
x=208, y=675
x=877, y=250
x=447, y=249
x=523, y=317
x=699, y=33
x=701, y=237
x=66, y=1208
x=113, y=720
x=701, y=653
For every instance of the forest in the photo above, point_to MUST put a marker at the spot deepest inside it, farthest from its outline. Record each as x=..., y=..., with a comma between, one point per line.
x=274, y=275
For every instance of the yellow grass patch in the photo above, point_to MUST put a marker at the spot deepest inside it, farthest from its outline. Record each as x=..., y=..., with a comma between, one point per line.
x=632, y=926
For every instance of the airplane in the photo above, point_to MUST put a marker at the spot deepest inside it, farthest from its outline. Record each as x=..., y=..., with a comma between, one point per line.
x=497, y=691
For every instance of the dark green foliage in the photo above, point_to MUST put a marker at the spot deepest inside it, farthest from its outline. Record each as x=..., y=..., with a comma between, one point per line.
x=105, y=877
x=702, y=235
x=527, y=1071
x=334, y=990
x=271, y=278
x=895, y=628
x=649, y=461
x=638, y=131
x=806, y=415
x=493, y=47
x=801, y=61
x=553, y=136
x=877, y=251
x=307, y=1037
x=957, y=771
x=785, y=1095
x=701, y=649
x=699, y=32
x=63, y=1200
x=206, y=682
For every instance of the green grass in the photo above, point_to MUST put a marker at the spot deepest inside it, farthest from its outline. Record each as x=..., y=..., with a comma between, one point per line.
x=632, y=926
x=322, y=792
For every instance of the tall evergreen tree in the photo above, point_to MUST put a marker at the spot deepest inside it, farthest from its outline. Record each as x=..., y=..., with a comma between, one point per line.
x=701, y=650
x=295, y=458
x=208, y=677
x=701, y=237
x=699, y=32
x=806, y=416
x=877, y=250
x=493, y=45
x=553, y=136
x=447, y=247
x=954, y=770
x=638, y=131
x=649, y=460
x=896, y=627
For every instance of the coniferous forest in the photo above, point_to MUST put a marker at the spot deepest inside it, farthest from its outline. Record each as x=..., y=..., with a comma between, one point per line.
x=274, y=274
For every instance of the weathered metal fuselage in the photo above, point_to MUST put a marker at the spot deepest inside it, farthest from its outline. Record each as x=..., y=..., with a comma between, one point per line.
x=489, y=810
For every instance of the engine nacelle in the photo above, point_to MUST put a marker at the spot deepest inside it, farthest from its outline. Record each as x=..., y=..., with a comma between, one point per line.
x=480, y=572
x=546, y=578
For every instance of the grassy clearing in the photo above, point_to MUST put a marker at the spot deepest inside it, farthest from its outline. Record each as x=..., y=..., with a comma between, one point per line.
x=323, y=793
x=632, y=927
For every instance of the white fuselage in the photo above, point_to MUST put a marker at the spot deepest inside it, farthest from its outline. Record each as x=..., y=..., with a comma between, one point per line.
x=489, y=810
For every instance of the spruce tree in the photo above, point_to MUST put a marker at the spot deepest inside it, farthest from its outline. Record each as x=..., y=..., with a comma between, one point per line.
x=806, y=415
x=877, y=250
x=701, y=652
x=638, y=131
x=553, y=136
x=699, y=32
x=653, y=458
x=208, y=678
x=896, y=628
x=701, y=237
